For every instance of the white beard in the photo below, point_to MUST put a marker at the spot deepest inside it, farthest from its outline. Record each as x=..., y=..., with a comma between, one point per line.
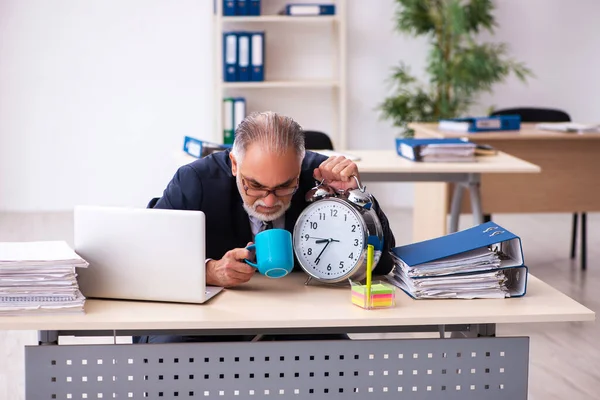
x=251, y=210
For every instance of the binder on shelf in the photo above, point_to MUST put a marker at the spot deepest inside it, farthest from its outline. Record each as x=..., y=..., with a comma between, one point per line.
x=254, y=7
x=481, y=124
x=309, y=9
x=257, y=47
x=239, y=111
x=230, y=57
x=228, y=128
x=241, y=7
x=485, y=261
x=243, y=56
x=436, y=149
x=201, y=148
x=229, y=7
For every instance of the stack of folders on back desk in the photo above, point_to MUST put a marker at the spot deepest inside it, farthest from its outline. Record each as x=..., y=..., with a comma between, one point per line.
x=485, y=261
x=40, y=278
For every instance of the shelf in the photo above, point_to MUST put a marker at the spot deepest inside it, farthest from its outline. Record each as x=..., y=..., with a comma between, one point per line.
x=281, y=18
x=281, y=84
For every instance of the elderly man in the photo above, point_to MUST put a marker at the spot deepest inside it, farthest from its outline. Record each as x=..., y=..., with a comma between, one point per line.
x=260, y=183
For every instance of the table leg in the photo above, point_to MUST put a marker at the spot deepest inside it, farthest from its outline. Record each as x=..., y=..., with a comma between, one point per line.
x=47, y=337
x=457, y=197
x=474, y=191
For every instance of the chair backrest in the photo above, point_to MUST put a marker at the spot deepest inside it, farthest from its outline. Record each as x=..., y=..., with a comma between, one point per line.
x=153, y=202
x=531, y=114
x=315, y=140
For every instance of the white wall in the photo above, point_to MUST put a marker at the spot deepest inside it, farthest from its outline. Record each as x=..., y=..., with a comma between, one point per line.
x=95, y=96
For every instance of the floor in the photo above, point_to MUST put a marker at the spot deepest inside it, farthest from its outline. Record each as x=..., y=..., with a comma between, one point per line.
x=565, y=357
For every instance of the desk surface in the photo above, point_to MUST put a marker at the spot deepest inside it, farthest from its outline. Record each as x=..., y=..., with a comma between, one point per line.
x=387, y=161
x=527, y=132
x=288, y=303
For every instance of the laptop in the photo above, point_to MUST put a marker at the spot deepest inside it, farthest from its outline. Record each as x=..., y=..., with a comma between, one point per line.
x=142, y=254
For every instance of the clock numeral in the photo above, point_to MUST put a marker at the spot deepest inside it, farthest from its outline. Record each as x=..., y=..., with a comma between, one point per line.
x=353, y=228
x=351, y=256
x=313, y=225
x=333, y=212
x=306, y=236
x=322, y=216
x=341, y=265
x=329, y=267
x=309, y=251
x=356, y=242
x=345, y=217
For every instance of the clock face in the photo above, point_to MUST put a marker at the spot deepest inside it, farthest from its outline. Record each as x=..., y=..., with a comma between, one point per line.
x=329, y=239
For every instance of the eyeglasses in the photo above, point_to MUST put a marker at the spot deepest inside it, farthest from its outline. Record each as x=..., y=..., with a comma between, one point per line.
x=261, y=193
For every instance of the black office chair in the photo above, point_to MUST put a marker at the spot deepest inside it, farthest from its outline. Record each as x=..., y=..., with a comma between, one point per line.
x=531, y=114
x=315, y=140
x=153, y=202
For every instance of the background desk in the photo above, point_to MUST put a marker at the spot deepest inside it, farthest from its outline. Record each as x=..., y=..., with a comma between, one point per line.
x=570, y=165
x=429, y=212
x=472, y=367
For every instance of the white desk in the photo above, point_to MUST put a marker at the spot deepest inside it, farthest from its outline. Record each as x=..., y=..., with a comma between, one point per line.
x=387, y=166
x=477, y=366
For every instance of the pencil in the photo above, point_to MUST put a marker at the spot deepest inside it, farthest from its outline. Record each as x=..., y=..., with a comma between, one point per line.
x=369, y=273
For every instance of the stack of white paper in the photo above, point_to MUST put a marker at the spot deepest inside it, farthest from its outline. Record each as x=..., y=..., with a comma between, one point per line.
x=39, y=277
x=573, y=127
x=473, y=274
x=448, y=152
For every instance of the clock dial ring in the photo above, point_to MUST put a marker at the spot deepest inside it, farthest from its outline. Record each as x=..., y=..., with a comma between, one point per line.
x=324, y=246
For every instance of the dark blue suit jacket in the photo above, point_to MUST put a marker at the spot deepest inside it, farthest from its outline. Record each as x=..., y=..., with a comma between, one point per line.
x=208, y=185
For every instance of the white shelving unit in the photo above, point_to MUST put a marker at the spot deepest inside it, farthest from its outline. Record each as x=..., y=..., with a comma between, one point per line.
x=334, y=87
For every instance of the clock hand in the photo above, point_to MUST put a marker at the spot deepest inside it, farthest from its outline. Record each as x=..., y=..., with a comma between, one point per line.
x=319, y=256
x=320, y=240
x=326, y=240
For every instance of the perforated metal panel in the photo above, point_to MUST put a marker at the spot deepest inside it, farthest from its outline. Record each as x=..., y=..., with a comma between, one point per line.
x=474, y=368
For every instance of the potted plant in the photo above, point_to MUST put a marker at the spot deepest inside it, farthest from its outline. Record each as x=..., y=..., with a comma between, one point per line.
x=459, y=66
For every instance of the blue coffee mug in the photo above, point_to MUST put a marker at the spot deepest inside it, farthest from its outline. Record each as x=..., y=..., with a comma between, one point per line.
x=274, y=253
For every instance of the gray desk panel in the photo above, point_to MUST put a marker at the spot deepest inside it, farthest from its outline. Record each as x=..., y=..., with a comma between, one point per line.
x=465, y=368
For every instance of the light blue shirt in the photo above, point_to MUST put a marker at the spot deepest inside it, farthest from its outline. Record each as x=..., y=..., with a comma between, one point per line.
x=256, y=224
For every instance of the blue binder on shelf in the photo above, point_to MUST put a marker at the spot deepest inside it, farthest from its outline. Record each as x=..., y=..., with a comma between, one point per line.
x=241, y=7
x=257, y=47
x=229, y=7
x=302, y=9
x=254, y=7
x=244, y=50
x=230, y=57
x=481, y=124
x=482, y=249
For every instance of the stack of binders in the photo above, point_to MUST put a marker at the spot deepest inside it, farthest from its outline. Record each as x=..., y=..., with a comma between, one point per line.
x=234, y=111
x=241, y=8
x=436, y=150
x=485, y=261
x=244, y=56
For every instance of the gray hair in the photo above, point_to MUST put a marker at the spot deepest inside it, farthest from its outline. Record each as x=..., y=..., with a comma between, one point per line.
x=277, y=132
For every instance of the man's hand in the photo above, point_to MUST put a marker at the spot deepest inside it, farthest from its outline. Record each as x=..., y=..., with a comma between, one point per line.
x=230, y=270
x=337, y=172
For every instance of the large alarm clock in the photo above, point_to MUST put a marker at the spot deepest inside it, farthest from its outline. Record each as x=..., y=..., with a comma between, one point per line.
x=332, y=233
